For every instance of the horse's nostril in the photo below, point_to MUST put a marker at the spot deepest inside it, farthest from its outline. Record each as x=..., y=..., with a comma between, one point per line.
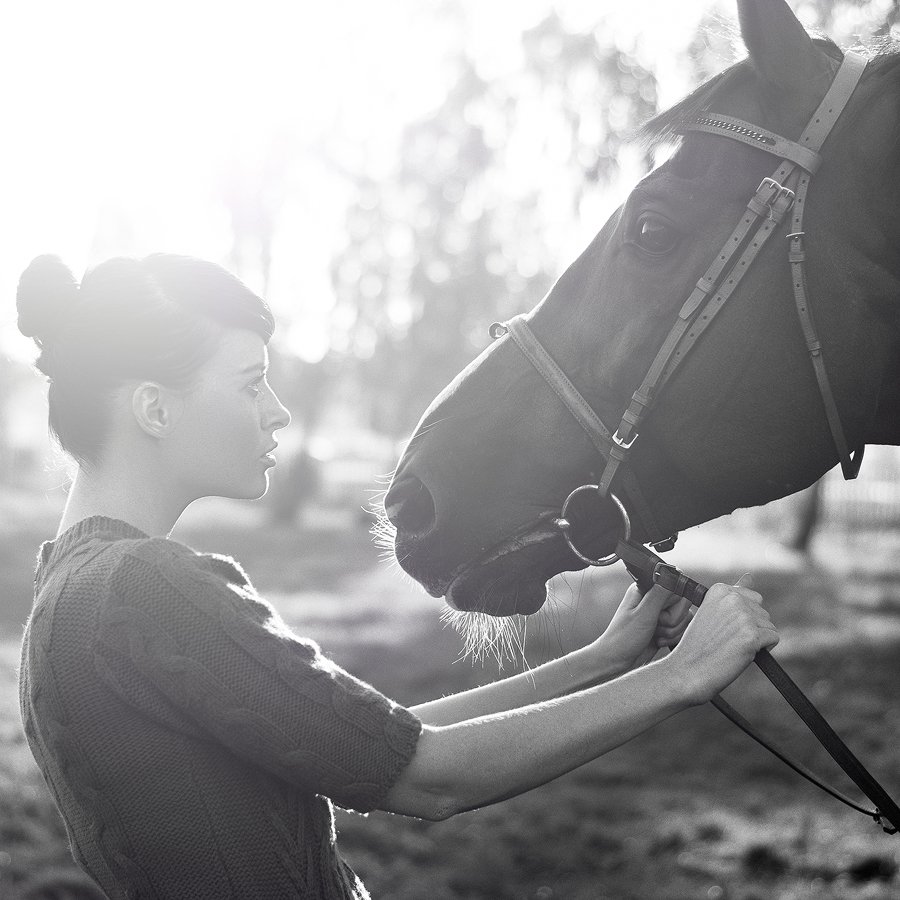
x=409, y=506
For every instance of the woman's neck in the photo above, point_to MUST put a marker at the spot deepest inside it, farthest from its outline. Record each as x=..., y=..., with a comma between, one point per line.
x=145, y=506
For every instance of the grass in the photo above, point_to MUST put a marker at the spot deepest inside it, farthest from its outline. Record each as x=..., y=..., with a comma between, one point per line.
x=692, y=809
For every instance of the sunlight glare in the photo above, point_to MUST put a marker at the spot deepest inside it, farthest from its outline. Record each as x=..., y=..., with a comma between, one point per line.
x=127, y=124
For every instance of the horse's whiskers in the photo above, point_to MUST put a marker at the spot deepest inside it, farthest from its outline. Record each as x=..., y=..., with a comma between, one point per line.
x=383, y=531
x=484, y=636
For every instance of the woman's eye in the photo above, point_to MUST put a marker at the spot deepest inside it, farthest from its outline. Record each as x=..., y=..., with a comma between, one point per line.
x=254, y=387
x=655, y=235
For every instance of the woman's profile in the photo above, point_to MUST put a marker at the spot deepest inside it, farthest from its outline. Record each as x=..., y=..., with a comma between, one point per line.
x=192, y=742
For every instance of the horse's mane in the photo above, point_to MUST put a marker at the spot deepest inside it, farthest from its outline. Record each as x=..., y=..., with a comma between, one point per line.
x=664, y=127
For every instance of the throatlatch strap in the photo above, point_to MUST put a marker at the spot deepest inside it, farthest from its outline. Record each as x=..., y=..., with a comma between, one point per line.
x=814, y=136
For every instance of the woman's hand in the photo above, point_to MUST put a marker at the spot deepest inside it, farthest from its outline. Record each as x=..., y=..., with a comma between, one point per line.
x=642, y=625
x=724, y=636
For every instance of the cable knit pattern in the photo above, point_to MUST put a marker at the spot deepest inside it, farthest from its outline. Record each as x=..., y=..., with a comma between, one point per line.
x=190, y=739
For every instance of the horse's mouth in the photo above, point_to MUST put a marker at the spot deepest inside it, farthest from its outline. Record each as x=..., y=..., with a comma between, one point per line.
x=513, y=581
x=511, y=578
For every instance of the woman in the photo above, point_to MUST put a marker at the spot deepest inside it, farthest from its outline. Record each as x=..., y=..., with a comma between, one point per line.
x=192, y=742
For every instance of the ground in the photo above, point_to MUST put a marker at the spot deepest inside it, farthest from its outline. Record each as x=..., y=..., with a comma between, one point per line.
x=692, y=809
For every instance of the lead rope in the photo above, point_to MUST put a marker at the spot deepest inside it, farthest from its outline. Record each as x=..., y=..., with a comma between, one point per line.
x=648, y=569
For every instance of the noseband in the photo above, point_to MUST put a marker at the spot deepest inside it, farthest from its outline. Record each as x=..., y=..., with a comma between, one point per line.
x=785, y=191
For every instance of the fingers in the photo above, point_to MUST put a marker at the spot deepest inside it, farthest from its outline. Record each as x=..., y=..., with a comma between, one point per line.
x=770, y=637
x=657, y=598
x=719, y=591
x=670, y=635
x=632, y=597
x=675, y=612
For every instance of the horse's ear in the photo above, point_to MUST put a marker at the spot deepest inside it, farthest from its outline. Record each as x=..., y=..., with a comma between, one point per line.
x=780, y=49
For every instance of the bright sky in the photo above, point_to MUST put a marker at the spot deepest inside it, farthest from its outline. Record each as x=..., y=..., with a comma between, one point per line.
x=113, y=106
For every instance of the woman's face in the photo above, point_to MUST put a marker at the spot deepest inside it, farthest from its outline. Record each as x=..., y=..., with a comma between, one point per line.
x=223, y=441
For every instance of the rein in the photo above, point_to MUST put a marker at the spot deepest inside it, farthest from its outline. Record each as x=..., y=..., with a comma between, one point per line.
x=785, y=191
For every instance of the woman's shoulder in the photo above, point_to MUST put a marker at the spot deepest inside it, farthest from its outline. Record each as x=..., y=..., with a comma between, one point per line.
x=171, y=554
x=155, y=559
x=160, y=585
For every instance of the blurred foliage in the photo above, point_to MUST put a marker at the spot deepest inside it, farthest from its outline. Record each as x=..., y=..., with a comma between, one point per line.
x=846, y=22
x=449, y=240
x=454, y=237
x=471, y=219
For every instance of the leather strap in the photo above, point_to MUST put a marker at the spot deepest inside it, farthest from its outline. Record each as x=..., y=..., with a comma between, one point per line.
x=599, y=435
x=829, y=739
x=754, y=136
x=736, y=718
x=814, y=136
x=764, y=212
x=786, y=188
x=648, y=569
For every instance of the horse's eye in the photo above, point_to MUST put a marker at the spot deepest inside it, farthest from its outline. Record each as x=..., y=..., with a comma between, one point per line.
x=655, y=235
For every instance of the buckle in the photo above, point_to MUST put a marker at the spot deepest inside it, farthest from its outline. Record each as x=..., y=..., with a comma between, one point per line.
x=621, y=442
x=782, y=203
x=776, y=199
x=662, y=569
x=769, y=188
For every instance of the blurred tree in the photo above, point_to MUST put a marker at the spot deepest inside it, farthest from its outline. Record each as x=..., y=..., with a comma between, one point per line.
x=849, y=21
x=7, y=377
x=846, y=22
x=253, y=191
x=457, y=234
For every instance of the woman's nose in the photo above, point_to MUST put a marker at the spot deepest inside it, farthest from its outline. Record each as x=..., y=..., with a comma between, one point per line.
x=279, y=416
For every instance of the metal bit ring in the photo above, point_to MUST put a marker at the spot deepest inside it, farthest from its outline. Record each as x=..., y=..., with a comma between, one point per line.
x=564, y=525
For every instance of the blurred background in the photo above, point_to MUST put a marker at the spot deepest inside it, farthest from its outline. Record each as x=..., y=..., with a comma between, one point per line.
x=393, y=177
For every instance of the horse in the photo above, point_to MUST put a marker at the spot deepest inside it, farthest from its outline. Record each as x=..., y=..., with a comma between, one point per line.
x=474, y=504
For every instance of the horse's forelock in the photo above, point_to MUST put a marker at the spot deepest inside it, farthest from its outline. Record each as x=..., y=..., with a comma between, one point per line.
x=663, y=128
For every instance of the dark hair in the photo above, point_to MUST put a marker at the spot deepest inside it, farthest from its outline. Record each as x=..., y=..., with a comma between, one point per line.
x=158, y=318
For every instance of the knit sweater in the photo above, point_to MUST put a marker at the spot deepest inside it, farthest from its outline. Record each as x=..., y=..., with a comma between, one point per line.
x=190, y=740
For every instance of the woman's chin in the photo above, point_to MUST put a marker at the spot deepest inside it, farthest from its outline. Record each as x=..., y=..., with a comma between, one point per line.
x=253, y=488
x=260, y=490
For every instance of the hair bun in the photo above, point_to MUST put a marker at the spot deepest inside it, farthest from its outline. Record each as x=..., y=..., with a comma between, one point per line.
x=46, y=295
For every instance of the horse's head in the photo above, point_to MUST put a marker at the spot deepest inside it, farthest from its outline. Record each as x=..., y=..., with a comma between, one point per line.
x=742, y=422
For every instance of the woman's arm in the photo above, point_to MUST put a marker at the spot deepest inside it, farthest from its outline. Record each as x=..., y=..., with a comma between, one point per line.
x=656, y=619
x=483, y=760
x=569, y=673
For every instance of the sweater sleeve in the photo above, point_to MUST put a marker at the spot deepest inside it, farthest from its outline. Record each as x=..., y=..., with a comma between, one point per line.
x=190, y=630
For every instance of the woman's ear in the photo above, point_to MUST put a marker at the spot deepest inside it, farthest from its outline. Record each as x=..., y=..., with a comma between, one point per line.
x=156, y=409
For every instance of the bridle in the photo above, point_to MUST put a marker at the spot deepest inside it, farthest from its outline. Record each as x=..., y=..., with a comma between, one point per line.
x=782, y=193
